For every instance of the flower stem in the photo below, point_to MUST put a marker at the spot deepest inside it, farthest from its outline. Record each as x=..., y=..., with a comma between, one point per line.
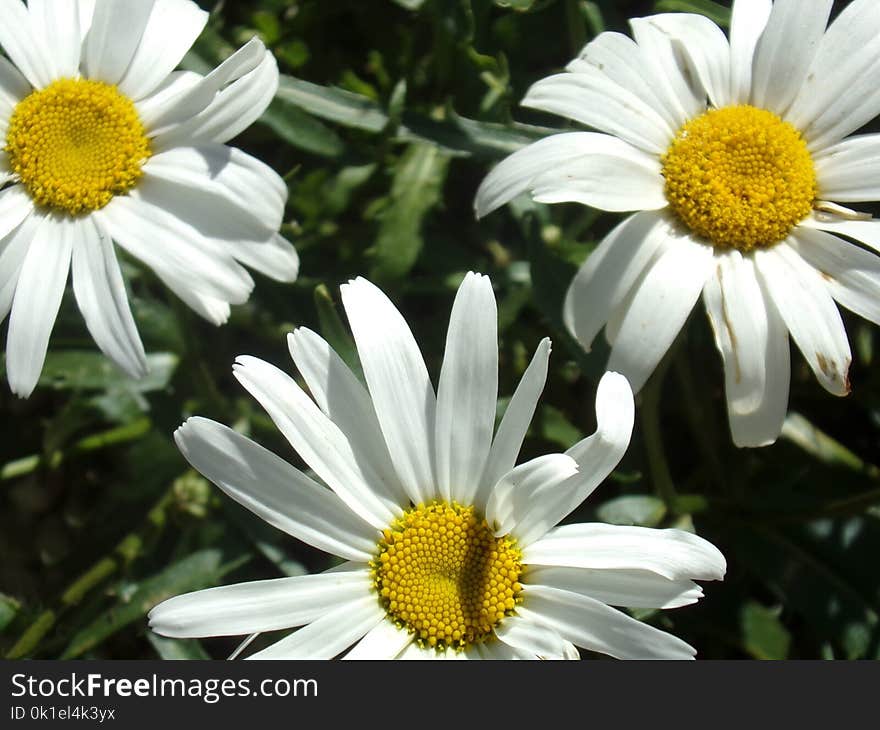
x=129, y=548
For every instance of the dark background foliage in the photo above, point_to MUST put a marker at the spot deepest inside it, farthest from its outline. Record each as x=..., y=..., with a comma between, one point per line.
x=390, y=112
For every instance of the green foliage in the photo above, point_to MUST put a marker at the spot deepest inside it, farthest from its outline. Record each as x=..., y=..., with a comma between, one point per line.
x=388, y=116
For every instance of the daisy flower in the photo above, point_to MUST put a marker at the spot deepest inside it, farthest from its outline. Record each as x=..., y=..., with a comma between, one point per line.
x=104, y=142
x=735, y=155
x=451, y=549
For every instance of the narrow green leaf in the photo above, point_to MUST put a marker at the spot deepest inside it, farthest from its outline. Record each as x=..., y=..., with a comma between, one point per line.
x=196, y=571
x=417, y=187
x=334, y=330
x=89, y=370
x=9, y=608
x=181, y=649
x=711, y=10
x=301, y=130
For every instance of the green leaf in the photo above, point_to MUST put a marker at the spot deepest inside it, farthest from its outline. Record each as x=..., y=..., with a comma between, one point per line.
x=198, y=570
x=88, y=370
x=817, y=443
x=764, y=635
x=636, y=509
x=553, y=426
x=417, y=187
x=456, y=135
x=9, y=608
x=334, y=330
x=186, y=649
x=515, y=4
x=301, y=130
x=712, y=10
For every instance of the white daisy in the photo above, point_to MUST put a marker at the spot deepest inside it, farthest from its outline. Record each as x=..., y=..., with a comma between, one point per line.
x=103, y=142
x=451, y=549
x=732, y=152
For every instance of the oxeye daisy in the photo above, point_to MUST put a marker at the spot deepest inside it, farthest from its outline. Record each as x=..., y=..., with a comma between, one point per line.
x=736, y=156
x=451, y=548
x=104, y=142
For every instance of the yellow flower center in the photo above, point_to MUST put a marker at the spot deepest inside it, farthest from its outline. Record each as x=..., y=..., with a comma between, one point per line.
x=441, y=573
x=740, y=177
x=75, y=144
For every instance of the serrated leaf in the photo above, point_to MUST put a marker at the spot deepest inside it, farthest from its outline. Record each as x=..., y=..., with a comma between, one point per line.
x=417, y=187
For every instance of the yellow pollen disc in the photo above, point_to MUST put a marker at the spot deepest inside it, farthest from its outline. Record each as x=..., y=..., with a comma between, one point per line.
x=75, y=144
x=441, y=573
x=740, y=177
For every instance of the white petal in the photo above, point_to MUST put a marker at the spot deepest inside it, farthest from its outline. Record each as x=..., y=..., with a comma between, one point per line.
x=213, y=309
x=399, y=384
x=174, y=84
x=802, y=298
x=515, y=422
x=785, y=51
x=520, y=633
x=595, y=626
x=275, y=258
x=609, y=273
x=747, y=23
x=15, y=206
x=851, y=274
x=274, y=490
x=630, y=588
x=838, y=95
x=849, y=172
x=329, y=635
x=164, y=242
x=660, y=308
x=763, y=425
x=232, y=110
x=102, y=299
x=619, y=178
x=346, y=402
x=624, y=62
x=596, y=457
x=673, y=554
x=705, y=47
x=37, y=299
x=24, y=43
x=172, y=28
x=116, y=30
x=220, y=190
x=598, y=102
x=384, y=641
x=864, y=231
x=738, y=318
x=316, y=439
x=193, y=100
x=518, y=493
x=57, y=22
x=265, y=605
x=467, y=391
x=543, y=160
x=669, y=73
x=13, y=249
x=13, y=88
